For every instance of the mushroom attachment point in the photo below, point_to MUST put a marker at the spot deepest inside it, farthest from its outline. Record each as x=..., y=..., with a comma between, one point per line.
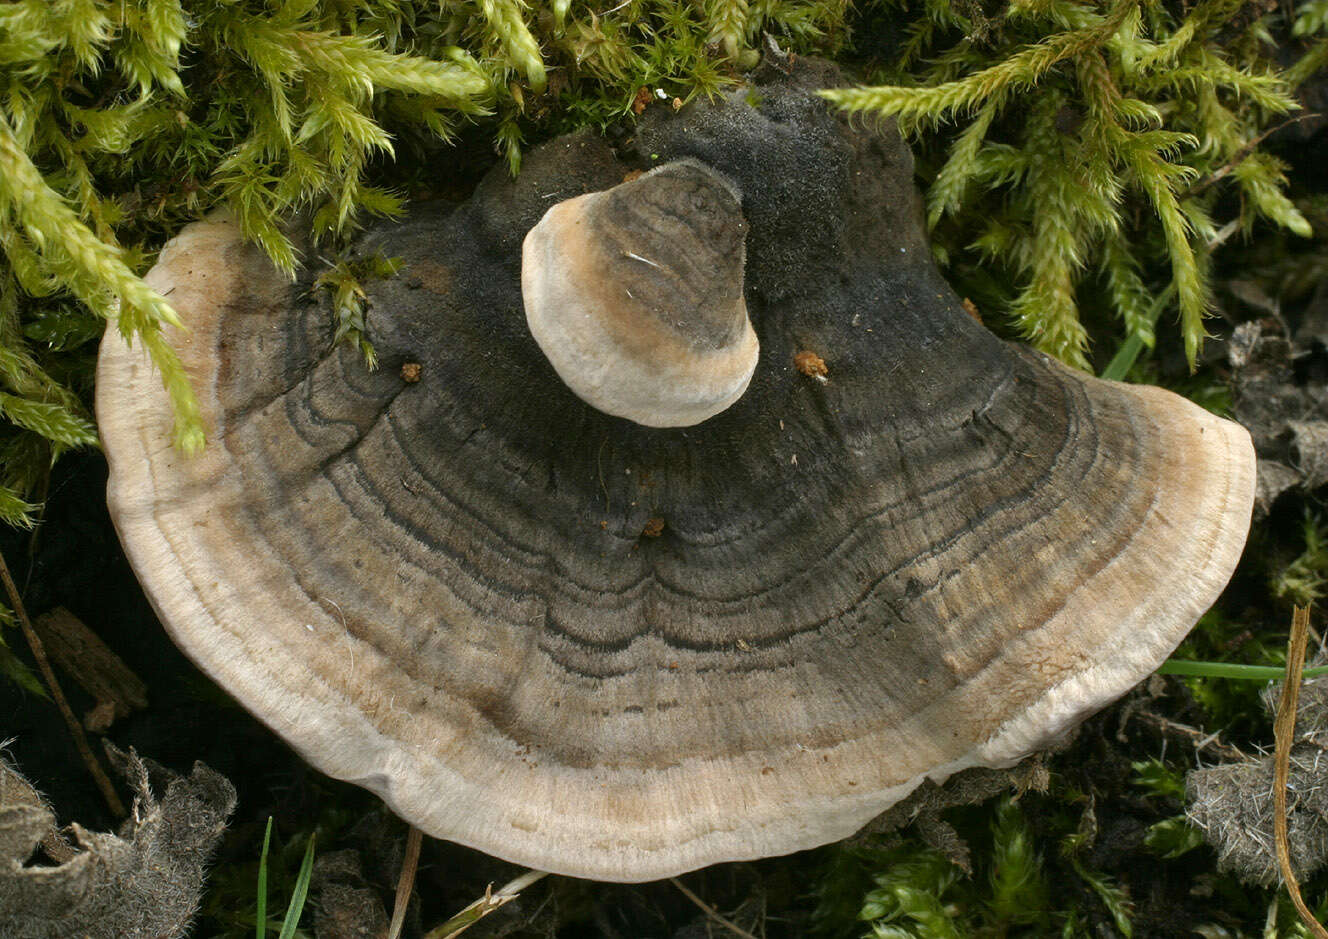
x=620, y=651
x=635, y=296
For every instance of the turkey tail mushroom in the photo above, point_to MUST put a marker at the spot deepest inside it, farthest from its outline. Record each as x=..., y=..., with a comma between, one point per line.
x=619, y=651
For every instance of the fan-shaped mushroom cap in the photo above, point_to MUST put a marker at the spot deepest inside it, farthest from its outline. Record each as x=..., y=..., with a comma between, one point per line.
x=621, y=652
x=635, y=296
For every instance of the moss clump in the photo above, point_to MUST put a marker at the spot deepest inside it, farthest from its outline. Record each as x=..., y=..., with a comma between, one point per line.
x=1097, y=148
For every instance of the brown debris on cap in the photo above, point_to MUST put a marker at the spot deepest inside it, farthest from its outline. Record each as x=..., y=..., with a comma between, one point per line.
x=811, y=365
x=974, y=549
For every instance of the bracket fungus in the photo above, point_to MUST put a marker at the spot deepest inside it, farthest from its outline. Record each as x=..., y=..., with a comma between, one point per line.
x=621, y=651
x=635, y=296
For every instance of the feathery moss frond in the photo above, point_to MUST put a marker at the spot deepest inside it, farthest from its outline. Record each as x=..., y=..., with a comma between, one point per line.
x=1129, y=296
x=947, y=191
x=1045, y=311
x=55, y=422
x=1311, y=23
x=90, y=267
x=907, y=898
x=728, y=20
x=1151, y=110
x=505, y=20
x=344, y=281
x=924, y=107
x=14, y=510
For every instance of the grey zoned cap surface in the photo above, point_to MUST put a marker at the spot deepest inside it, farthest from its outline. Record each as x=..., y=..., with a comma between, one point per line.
x=622, y=652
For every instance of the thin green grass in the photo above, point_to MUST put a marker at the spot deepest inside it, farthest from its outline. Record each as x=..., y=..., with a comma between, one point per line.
x=1233, y=670
x=299, y=894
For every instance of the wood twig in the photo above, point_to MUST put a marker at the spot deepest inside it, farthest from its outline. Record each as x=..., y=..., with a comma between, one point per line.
x=1239, y=156
x=1201, y=740
x=710, y=910
x=492, y=900
x=48, y=675
x=103, y=675
x=406, y=882
x=1284, y=733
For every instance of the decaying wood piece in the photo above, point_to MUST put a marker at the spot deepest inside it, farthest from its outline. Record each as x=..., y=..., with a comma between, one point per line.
x=623, y=652
x=90, y=662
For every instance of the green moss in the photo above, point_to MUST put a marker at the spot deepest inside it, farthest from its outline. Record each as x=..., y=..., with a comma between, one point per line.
x=1302, y=581
x=343, y=280
x=1092, y=138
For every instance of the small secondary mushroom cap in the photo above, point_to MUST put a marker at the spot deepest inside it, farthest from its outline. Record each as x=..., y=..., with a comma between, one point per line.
x=635, y=296
x=622, y=652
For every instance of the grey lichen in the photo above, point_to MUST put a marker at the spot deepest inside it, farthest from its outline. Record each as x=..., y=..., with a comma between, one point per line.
x=144, y=881
x=1233, y=803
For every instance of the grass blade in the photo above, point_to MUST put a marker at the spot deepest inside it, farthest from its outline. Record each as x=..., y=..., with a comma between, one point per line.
x=262, y=880
x=296, y=908
x=1233, y=670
